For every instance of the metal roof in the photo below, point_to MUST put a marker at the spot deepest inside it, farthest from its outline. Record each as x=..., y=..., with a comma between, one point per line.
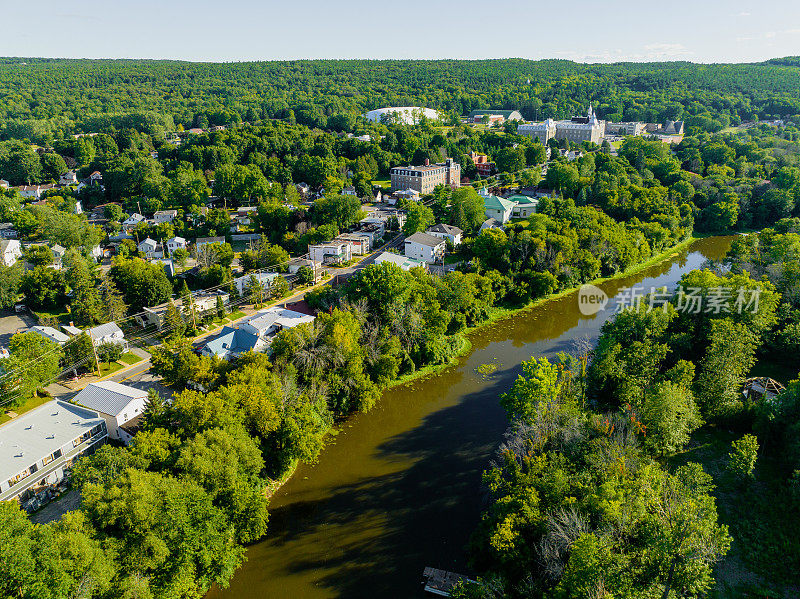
x=108, y=397
x=425, y=239
x=38, y=433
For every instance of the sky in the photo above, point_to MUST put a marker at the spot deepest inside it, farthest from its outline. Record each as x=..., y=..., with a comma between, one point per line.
x=243, y=30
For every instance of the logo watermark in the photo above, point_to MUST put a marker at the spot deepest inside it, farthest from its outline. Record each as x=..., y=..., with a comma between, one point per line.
x=591, y=300
x=690, y=300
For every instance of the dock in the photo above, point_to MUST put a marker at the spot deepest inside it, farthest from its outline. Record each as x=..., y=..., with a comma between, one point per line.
x=441, y=582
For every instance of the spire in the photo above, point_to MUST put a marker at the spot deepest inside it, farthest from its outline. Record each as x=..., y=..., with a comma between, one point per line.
x=590, y=114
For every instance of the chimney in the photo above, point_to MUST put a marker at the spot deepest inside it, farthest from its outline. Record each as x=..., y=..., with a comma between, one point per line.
x=427, y=162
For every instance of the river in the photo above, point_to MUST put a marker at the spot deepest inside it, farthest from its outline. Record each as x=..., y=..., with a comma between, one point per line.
x=398, y=488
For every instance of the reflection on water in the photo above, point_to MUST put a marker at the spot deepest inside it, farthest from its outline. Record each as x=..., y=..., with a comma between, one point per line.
x=399, y=488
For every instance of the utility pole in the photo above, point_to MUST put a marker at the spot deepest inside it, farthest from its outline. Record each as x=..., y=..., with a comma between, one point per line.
x=94, y=351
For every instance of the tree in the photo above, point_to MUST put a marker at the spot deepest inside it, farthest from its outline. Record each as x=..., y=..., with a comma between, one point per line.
x=43, y=287
x=742, y=457
x=419, y=218
x=142, y=284
x=510, y=160
x=79, y=352
x=175, y=361
x=109, y=352
x=538, y=384
x=180, y=256
x=279, y=288
x=113, y=304
x=467, y=210
x=38, y=255
x=19, y=163
x=10, y=284
x=53, y=166
x=33, y=363
x=670, y=415
x=181, y=542
x=305, y=275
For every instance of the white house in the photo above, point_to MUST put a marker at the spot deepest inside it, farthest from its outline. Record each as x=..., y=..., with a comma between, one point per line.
x=50, y=333
x=349, y=191
x=164, y=216
x=498, y=208
x=39, y=445
x=133, y=220
x=107, y=333
x=359, y=244
x=422, y=246
x=402, y=261
x=68, y=178
x=176, y=243
x=450, y=232
x=265, y=278
x=331, y=253
x=150, y=249
x=58, y=255
x=10, y=251
x=118, y=404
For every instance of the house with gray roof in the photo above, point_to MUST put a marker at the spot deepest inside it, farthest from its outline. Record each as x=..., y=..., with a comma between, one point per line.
x=50, y=333
x=107, y=333
x=37, y=447
x=232, y=342
x=422, y=246
x=118, y=404
x=446, y=232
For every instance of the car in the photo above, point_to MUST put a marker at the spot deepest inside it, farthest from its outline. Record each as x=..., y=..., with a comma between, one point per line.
x=20, y=308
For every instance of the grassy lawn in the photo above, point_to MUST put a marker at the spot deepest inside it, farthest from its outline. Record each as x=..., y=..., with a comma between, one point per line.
x=235, y=315
x=106, y=368
x=385, y=183
x=32, y=403
x=130, y=358
x=61, y=315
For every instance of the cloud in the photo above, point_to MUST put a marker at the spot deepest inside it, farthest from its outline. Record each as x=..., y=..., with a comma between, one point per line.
x=768, y=35
x=647, y=53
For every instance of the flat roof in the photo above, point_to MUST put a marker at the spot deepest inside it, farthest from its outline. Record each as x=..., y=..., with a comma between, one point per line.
x=38, y=433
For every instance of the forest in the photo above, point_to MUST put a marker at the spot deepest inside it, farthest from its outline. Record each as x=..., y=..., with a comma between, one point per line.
x=596, y=491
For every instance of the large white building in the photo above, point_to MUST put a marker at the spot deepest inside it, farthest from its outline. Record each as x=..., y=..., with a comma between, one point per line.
x=38, y=446
x=409, y=115
x=422, y=246
x=576, y=129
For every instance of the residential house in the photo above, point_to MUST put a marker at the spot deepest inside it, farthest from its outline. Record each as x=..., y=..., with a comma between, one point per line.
x=303, y=189
x=130, y=223
x=175, y=243
x=359, y=244
x=4, y=184
x=524, y=206
x=485, y=166
x=374, y=229
x=297, y=263
x=50, y=334
x=59, y=252
x=68, y=178
x=450, y=232
x=349, y=190
x=118, y=404
x=425, y=247
x=150, y=248
x=38, y=446
x=8, y=231
x=264, y=278
x=403, y=262
x=331, y=252
x=96, y=178
x=33, y=191
x=10, y=251
x=254, y=333
x=107, y=333
x=498, y=208
x=164, y=216
x=201, y=241
x=168, y=264
x=203, y=302
x=490, y=223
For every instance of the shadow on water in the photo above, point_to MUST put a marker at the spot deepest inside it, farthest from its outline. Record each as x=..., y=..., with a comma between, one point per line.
x=399, y=488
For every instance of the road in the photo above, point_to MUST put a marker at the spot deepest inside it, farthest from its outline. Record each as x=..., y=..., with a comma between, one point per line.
x=140, y=376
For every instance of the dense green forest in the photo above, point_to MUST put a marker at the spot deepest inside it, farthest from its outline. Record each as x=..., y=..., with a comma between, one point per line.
x=42, y=99
x=639, y=468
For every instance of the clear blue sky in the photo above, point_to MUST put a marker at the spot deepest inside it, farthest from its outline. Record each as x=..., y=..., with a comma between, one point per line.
x=232, y=30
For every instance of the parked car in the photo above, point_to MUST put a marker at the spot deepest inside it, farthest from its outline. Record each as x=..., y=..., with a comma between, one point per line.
x=20, y=308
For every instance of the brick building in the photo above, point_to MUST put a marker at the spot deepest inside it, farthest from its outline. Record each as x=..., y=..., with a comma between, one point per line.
x=423, y=179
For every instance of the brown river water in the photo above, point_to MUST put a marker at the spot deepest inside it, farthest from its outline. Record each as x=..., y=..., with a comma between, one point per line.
x=399, y=488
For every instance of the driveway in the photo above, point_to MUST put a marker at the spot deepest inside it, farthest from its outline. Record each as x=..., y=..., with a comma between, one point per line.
x=11, y=323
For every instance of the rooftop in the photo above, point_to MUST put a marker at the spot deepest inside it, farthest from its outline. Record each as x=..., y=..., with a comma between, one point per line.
x=492, y=202
x=424, y=239
x=108, y=397
x=38, y=433
x=448, y=229
x=401, y=261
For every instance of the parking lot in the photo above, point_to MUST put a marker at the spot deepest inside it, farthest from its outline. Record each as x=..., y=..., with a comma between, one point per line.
x=11, y=322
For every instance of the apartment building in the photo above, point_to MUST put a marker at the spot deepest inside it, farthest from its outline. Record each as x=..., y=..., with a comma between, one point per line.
x=423, y=179
x=37, y=447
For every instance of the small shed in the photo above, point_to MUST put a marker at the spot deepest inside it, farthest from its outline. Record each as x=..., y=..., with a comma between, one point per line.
x=759, y=388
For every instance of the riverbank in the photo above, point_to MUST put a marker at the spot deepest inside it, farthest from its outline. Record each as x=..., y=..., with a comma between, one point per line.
x=499, y=313
x=496, y=314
